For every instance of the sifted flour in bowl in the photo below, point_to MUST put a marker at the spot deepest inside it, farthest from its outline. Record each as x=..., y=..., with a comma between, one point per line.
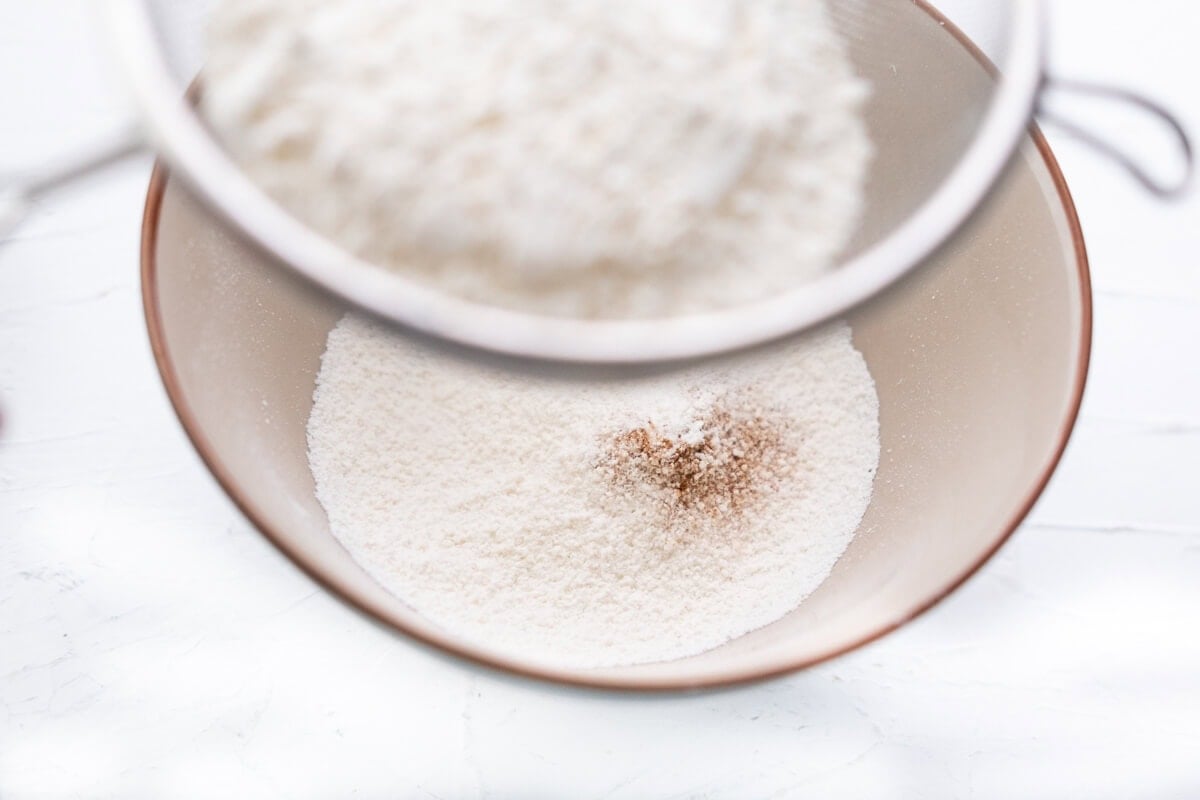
x=599, y=522
x=584, y=158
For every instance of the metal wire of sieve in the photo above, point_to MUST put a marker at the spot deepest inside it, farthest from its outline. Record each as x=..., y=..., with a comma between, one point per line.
x=933, y=165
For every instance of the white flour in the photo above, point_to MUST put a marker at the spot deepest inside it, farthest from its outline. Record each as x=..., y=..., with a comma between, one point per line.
x=570, y=157
x=601, y=522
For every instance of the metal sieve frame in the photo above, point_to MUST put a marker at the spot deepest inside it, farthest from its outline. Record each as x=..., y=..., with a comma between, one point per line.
x=181, y=138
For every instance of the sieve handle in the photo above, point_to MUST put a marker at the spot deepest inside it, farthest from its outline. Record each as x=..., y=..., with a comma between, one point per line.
x=17, y=194
x=1165, y=188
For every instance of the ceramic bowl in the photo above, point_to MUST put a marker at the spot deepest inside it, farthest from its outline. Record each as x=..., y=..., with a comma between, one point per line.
x=979, y=357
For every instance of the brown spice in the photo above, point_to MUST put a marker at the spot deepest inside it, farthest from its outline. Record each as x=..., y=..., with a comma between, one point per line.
x=736, y=456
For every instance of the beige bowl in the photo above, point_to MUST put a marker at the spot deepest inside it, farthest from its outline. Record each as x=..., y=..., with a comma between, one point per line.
x=980, y=359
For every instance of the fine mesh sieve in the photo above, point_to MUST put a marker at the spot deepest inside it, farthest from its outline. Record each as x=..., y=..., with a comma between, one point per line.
x=928, y=173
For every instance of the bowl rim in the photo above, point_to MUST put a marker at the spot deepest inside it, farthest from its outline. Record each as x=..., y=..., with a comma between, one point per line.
x=581, y=679
x=209, y=455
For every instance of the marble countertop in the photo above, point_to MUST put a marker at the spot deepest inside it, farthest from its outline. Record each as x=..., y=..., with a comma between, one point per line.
x=153, y=645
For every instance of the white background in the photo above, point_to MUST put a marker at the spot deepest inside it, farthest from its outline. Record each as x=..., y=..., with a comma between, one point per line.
x=153, y=645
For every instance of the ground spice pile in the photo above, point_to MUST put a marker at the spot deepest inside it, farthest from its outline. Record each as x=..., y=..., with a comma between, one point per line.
x=716, y=468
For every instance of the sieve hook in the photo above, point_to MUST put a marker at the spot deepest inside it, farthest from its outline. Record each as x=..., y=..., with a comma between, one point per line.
x=17, y=194
x=1167, y=189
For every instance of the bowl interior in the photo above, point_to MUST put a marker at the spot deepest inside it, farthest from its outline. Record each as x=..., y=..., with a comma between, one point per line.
x=979, y=358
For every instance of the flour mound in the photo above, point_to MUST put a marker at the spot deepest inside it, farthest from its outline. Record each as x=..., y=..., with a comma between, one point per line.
x=592, y=523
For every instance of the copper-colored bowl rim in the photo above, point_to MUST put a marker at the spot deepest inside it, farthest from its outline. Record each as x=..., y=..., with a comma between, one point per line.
x=312, y=567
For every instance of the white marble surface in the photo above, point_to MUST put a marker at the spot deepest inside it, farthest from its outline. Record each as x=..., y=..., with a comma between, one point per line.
x=153, y=645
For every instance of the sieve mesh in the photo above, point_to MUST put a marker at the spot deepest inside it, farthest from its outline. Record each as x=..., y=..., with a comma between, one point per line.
x=923, y=149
